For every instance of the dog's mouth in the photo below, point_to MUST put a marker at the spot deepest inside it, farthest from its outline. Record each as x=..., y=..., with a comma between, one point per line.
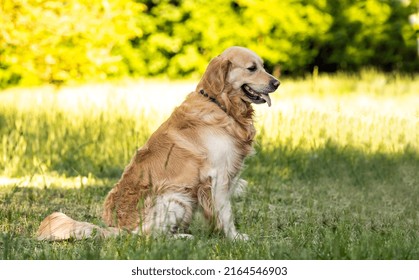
x=256, y=97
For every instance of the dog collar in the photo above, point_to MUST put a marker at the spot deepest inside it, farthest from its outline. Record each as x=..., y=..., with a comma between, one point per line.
x=212, y=99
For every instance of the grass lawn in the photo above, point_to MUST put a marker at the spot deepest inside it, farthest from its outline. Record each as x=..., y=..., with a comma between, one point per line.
x=335, y=176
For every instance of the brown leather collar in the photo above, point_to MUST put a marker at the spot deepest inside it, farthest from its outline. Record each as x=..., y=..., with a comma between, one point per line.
x=212, y=99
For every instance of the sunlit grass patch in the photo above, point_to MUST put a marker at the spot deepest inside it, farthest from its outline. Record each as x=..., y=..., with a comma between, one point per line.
x=378, y=113
x=94, y=129
x=50, y=129
x=371, y=125
x=51, y=180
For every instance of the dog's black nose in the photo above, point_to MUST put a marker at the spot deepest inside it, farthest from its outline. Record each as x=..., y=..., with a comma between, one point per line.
x=275, y=83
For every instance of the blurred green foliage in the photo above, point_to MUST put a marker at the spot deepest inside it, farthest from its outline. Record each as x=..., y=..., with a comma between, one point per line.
x=52, y=41
x=56, y=41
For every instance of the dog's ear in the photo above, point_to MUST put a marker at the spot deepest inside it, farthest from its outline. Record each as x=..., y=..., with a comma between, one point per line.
x=214, y=79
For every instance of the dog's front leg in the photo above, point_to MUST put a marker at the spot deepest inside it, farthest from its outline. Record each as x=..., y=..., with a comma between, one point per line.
x=221, y=196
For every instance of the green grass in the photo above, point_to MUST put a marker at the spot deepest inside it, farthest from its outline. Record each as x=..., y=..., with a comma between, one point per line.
x=336, y=174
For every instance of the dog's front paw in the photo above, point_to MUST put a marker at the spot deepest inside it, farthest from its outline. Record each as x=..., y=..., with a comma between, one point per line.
x=182, y=236
x=241, y=237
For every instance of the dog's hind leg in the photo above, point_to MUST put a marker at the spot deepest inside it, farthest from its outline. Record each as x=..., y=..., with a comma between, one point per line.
x=120, y=207
x=166, y=214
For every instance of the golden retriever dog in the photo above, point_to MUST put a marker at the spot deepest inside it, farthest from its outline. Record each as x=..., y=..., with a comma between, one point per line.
x=192, y=161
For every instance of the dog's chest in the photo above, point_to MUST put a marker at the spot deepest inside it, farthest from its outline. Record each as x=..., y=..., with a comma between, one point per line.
x=222, y=152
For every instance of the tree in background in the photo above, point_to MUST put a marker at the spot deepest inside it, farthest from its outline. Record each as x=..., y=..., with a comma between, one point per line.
x=59, y=41
x=370, y=33
x=414, y=21
x=187, y=34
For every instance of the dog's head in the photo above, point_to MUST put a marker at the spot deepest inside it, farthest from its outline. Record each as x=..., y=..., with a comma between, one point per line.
x=239, y=71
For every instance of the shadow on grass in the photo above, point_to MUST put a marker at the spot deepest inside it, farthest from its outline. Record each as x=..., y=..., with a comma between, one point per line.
x=350, y=165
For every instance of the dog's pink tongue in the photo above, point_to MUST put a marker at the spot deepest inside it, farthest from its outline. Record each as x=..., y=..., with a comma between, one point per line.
x=266, y=98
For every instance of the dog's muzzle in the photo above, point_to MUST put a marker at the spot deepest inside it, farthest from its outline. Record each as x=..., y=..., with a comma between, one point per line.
x=261, y=96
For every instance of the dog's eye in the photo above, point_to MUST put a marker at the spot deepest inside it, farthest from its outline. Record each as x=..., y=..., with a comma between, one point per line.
x=252, y=68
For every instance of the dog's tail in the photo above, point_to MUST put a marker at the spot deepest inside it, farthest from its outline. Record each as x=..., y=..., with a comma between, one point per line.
x=59, y=226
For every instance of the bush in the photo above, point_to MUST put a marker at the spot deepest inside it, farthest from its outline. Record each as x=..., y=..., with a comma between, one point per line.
x=57, y=42
x=369, y=33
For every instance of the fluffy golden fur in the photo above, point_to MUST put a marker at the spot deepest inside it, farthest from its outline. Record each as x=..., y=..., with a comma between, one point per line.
x=192, y=160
